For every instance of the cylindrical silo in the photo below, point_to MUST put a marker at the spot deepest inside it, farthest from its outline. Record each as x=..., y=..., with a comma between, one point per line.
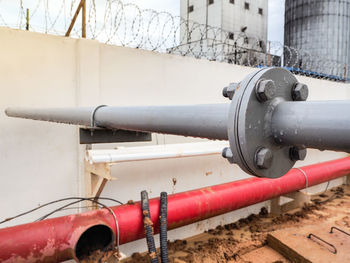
x=317, y=33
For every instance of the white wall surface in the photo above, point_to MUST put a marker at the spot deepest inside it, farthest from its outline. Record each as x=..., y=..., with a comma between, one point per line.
x=42, y=161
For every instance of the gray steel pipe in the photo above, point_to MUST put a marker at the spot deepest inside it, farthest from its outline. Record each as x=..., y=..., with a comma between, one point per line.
x=323, y=125
x=205, y=121
x=268, y=123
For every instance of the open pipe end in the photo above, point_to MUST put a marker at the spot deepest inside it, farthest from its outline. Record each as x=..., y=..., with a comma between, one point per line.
x=96, y=244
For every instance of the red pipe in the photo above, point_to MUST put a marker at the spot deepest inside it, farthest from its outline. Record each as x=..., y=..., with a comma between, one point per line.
x=54, y=240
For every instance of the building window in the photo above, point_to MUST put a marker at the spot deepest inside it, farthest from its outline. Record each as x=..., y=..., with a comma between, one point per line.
x=246, y=6
x=210, y=2
x=246, y=40
x=261, y=43
x=231, y=35
x=232, y=1
x=190, y=9
x=260, y=11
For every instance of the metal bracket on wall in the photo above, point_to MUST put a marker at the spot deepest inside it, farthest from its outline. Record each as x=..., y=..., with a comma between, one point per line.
x=97, y=135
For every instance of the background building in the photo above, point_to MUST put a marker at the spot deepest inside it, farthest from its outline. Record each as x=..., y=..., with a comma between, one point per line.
x=319, y=30
x=237, y=27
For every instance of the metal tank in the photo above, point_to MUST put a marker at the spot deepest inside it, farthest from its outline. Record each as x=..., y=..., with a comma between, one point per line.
x=318, y=34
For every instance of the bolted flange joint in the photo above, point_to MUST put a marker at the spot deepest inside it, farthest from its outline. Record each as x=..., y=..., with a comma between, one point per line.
x=230, y=90
x=263, y=158
x=265, y=90
x=300, y=92
x=297, y=153
x=251, y=131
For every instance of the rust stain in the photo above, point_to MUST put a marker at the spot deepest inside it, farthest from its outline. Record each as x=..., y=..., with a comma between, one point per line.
x=147, y=221
x=57, y=256
x=153, y=255
x=174, y=181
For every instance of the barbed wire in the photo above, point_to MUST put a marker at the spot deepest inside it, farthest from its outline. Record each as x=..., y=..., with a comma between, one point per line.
x=125, y=24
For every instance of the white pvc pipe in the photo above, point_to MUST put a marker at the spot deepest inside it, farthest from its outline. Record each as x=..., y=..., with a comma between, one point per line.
x=142, y=153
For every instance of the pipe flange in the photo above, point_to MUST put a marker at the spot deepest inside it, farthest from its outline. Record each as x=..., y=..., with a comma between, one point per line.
x=249, y=126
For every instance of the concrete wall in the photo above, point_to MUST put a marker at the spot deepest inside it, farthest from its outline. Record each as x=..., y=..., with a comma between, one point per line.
x=42, y=161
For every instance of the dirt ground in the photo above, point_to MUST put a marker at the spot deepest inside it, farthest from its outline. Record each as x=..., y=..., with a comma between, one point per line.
x=245, y=240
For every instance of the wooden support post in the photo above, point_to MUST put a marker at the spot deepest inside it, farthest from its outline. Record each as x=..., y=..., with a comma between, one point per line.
x=97, y=175
x=80, y=6
x=299, y=199
x=347, y=180
x=27, y=19
x=83, y=22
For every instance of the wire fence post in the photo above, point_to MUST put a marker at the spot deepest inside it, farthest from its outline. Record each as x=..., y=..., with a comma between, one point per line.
x=345, y=72
x=83, y=30
x=206, y=19
x=188, y=18
x=269, y=54
x=80, y=6
x=27, y=19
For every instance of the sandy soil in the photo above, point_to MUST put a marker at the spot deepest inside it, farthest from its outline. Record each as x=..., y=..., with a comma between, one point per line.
x=245, y=240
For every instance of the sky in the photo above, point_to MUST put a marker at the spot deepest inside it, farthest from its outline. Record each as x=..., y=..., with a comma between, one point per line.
x=276, y=20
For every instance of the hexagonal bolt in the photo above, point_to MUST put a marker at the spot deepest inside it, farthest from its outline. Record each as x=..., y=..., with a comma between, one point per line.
x=297, y=153
x=263, y=158
x=265, y=90
x=230, y=90
x=300, y=92
x=227, y=153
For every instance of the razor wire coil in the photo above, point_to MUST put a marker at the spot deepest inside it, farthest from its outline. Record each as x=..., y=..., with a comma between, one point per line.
x=126, y=24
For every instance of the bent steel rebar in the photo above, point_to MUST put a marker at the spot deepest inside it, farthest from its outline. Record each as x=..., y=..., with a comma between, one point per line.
x=323, y=241
x=269, y=123
x=340, y=230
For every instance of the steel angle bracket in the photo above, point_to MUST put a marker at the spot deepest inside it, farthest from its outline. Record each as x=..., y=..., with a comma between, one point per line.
x=98, y=135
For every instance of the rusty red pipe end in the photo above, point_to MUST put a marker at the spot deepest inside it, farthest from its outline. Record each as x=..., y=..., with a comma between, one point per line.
x=55, y=240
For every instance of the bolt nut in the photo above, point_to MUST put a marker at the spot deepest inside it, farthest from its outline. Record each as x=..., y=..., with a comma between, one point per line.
x=263, y=158
x=300, y=92
x=227, y=153
x=297, y=153
x=230, y=90
x=265, y=90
